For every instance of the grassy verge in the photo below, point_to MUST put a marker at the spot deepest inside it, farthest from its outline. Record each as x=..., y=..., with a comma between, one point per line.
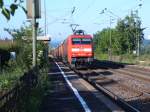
x=143, y=60
x=8, y=78
x=33, y=101
x=129, y=59
x=101, y=56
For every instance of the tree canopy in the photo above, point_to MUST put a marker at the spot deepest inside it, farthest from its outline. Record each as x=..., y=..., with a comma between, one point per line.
x=124, y=36
x=23, y=39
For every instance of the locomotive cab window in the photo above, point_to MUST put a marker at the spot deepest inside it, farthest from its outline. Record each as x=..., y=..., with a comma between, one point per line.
x=81, y=41
x=86, y=41
x=76, y=41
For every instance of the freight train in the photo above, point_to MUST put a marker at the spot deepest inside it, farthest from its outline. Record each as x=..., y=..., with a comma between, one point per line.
x=77, y=49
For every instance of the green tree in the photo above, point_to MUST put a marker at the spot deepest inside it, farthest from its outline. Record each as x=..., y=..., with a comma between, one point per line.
x=102, y=41
x=124, y=36
x=130, y=31
x=23, y=39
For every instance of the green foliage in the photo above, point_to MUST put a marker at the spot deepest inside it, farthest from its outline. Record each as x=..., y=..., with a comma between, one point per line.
x=32, y=102
x=23, y=39
x=102, y=41
x=13, y=8
x=10, y=76
x=130, y=31
x=145, y=50
x=128, y=58
x=101, y=56
x=124, y=37
x=143, y=60
x=10, y=11
x=4, y=58
x=23, y=48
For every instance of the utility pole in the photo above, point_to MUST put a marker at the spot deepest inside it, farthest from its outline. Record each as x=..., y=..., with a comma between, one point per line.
x=34, y=35
x=137, y=35
x=138, y=45
x=0, y=64
x=110, y=33
x=137, y=32
x=33, y=13
x=45, y=17
x=46, y=30
x=110, y=41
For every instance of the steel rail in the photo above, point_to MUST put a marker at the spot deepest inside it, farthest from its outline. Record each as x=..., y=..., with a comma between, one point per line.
x=125, y=105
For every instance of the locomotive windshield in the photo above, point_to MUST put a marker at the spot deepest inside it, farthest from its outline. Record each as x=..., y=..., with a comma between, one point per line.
x=76, y=41
x=81, y=41
x=86, y=41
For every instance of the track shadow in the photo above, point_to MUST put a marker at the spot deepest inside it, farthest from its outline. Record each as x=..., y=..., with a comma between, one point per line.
x=106, y=73
x=97, y=64
x=143, y=106
x=106, y=82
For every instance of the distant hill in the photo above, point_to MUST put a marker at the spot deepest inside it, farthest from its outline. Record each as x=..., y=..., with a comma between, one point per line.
x=146, y=42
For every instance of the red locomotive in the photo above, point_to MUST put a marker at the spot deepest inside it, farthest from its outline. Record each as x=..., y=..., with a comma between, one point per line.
x=77, y=49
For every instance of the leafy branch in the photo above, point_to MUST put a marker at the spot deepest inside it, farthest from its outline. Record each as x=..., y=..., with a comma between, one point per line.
x=10, y=10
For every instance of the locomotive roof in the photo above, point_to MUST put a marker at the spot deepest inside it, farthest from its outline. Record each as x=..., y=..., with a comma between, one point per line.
x=74, y=36
x=79, y=36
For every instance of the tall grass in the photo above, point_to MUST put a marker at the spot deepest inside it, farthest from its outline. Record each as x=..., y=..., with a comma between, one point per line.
x=101, y=56
x=10, y=73
x=32, y=102
x=8, y=78
x=143, y=59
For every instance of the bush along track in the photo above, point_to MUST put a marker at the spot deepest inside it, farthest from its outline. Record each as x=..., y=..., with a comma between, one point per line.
x=32, y=101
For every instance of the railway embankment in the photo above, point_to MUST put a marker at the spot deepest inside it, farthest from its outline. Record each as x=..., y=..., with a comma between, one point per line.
x=26, y=93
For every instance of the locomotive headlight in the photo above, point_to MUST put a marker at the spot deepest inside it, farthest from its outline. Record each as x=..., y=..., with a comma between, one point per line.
x=87, y=49
x=75, y=49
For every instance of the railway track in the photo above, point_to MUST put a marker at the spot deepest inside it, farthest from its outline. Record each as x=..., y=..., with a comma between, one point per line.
x=131, y=70
x=132, y=92
x=142, y=75
x=121, y=84
x=137, y=78
x=140, y=68
x=128, y=80
x=131, y=99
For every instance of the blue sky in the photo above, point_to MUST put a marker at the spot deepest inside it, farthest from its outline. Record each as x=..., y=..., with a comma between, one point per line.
x=86, y=14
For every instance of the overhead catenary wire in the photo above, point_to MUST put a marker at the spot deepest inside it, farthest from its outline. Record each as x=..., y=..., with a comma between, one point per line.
x=56, y=19
x=76, y=11
x=46, y=27
x=87, y=8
